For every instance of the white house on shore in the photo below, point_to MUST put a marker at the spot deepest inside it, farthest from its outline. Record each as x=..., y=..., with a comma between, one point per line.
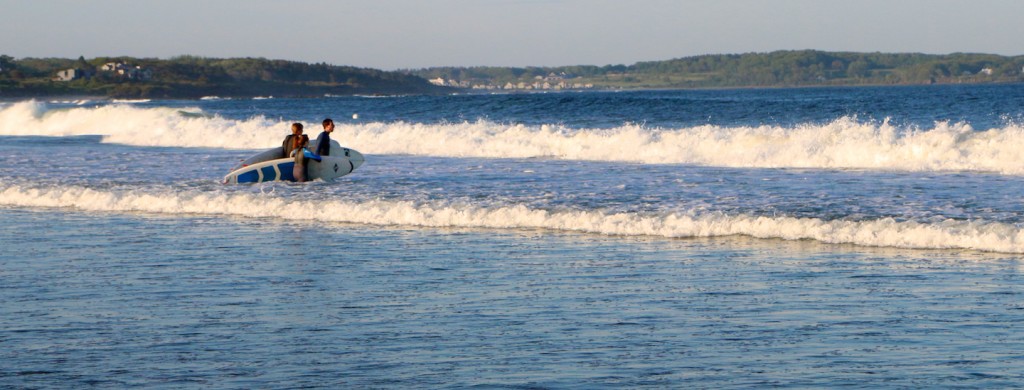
x=73, y=74
x=128, y=71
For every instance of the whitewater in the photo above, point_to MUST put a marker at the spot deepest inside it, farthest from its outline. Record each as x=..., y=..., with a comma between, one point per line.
x=811, y=238
x=886, y=232
x=842, y=143
x=634, y=201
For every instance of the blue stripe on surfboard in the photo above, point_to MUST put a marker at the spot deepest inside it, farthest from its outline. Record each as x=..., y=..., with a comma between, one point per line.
x=284, y=171
x=249, y=177
x=287, y=171
x=269, y=174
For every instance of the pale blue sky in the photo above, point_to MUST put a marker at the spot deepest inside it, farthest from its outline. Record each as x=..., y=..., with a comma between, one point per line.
x=392, y=34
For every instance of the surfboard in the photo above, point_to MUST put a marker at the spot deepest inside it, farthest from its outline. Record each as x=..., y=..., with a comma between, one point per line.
x=329, y=167
x=268, y=166
x=274, y=170
x=270, y=154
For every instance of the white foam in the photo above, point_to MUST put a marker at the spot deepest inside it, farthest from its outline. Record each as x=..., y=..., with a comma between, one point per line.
x=842, y=143
x=79, y=102
x=139, y=126
x=976, y=235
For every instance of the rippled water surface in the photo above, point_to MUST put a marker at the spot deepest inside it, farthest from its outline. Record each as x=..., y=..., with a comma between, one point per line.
x=143, y=300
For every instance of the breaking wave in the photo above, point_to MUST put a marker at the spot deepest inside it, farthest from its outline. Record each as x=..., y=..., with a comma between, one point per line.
x=886, y=232
x=841, y=144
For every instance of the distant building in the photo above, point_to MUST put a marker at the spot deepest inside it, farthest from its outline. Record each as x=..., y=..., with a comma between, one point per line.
x=554, y=78
x=438, y=81
x=128, y=71
x=73, y=74
x=136, y=73
x=986, y=71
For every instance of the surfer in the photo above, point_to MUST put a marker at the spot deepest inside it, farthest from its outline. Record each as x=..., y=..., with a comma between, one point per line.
x=323, y=141
x=302, y=155
x=289, y=140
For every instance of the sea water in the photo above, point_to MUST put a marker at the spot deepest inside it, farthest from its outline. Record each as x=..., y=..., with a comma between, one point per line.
x=738, y=238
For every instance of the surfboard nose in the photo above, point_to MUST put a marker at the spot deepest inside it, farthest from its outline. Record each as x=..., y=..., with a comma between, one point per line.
x=356, y=158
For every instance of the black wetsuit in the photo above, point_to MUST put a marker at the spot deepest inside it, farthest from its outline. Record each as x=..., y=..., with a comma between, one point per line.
x=286, y=146
x=323, y=144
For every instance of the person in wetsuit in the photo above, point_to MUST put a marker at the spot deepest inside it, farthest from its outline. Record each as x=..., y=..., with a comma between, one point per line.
x=322, y=147
x=298, y=151
x=289, y=141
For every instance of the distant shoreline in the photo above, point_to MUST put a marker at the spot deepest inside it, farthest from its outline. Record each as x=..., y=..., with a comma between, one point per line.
x=189, y=78
x=786, y=69
x=15, y=99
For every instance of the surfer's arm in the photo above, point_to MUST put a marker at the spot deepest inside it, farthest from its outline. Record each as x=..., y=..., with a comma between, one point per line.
x=311, y=155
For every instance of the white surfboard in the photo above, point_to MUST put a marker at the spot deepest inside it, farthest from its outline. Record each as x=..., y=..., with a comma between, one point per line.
x=331, y=167
x=274, y=170
x=268, y=166
x=270, y=154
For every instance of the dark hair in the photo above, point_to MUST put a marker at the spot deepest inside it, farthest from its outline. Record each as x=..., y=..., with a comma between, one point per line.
x=327, y=122
x=296, y=127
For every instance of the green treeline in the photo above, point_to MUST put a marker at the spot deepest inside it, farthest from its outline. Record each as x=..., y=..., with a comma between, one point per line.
x=191, y=77
x=775, y=69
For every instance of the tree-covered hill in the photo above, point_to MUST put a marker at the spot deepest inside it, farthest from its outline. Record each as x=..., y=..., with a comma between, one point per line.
x=775, y=69
x=190, y=77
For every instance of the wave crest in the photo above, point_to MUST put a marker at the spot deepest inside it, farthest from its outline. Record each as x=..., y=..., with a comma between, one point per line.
x=887, y=232
x=844, y=143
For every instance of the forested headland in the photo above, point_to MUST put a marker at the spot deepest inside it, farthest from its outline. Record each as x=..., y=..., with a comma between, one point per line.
x=774, y=69
x=193, y=77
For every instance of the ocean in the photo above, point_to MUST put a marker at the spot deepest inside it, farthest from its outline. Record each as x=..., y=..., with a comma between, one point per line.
x=747, y=238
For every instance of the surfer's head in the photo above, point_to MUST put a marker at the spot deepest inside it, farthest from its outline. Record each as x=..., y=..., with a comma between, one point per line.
x=296, y=128
x=300, y=141
x=328, y=125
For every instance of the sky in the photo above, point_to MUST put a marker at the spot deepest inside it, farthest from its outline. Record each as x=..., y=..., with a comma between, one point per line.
x=411, y=34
